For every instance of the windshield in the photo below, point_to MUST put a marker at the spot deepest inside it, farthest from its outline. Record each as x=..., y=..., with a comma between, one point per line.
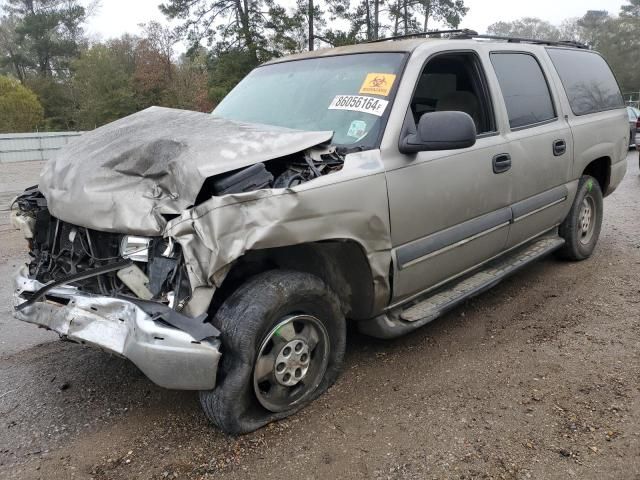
x=347, y=94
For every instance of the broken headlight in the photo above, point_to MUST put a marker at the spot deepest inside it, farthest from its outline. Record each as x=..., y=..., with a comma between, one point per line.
x=135, y=248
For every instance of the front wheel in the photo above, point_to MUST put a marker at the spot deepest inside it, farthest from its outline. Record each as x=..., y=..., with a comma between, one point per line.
x=581, y=228
x=283, y=337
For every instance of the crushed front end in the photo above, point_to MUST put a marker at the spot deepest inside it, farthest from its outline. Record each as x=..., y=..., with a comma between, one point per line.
x=118, y=292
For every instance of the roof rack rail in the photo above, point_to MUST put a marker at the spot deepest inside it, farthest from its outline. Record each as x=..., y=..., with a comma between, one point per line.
x=464, y=31
x=555, y=43
x=467, y=34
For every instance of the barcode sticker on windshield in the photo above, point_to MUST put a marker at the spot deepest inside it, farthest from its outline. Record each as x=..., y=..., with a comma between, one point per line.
x=359, y=103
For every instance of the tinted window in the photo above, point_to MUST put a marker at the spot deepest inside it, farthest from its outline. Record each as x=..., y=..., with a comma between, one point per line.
x=587, y=79
x=454, y=82
x=524, y=88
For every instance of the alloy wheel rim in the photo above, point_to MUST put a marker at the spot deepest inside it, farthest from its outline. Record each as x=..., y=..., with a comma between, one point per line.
x=291, y=362
x=586, y=220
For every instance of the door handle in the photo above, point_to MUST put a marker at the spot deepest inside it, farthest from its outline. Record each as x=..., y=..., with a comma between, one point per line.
x=501, y=163
x=559, y=147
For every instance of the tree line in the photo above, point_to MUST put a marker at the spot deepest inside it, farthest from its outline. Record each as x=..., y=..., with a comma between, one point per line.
x=81, y=84
x=60, y=80
x=617, y=38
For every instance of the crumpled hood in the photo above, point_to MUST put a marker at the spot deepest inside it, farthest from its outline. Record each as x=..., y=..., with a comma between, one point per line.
x=122, y=177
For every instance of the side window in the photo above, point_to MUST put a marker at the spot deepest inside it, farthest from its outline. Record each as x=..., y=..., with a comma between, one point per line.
x=454, y=82
x=587, y=79
x=524, y=88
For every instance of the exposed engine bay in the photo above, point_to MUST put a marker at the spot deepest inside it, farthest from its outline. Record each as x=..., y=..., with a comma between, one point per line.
x=284, y=172
x=59, y=251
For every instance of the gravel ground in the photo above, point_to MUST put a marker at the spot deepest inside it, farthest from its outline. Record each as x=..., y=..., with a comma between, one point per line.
x=538, y=378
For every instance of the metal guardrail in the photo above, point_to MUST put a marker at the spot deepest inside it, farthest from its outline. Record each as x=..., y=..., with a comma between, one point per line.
x=25, y=147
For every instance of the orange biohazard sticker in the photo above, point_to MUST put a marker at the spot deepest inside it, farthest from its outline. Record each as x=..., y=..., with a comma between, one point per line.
x=377, y=84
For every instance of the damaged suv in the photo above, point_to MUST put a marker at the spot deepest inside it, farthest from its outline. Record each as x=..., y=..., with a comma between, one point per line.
x=382, y=183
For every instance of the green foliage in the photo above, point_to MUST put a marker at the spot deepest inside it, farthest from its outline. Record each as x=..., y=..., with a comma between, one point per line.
x=414, y=16
x=527, y=27
x=374, y=19
x=78, y=86
x=240, y=23
x=339, y=38
x=48, y=33
x=20, y=110
x=631, y=10
x=43, y=44
x=104, y=87
x=227, y=69
x=39, y=39
x=57, y=98
x=190, y=83
x=129, y=74
x=12, y=52
x=616, y=38
x=288, y=29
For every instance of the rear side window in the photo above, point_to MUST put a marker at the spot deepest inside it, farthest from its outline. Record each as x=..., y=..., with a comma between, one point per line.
x=587, y=79
x=524, y=88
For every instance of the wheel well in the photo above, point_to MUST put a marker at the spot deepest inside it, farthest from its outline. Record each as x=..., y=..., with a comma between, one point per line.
x=341, y=264
x=600, y=169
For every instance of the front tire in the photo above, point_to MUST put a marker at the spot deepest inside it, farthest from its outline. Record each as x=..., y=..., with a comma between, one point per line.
x=581, y=228
x=283, y=337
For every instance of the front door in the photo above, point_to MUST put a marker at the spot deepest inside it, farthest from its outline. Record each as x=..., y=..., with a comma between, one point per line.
x=449, y=209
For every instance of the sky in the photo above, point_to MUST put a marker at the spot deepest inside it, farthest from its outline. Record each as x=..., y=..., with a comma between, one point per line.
x=115, y=17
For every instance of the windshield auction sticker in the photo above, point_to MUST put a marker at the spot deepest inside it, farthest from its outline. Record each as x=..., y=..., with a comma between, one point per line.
x=378, y=84
x=359, y=103
x=357, y=129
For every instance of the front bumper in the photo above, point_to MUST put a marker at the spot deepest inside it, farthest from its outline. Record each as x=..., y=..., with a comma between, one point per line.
x=170, y=357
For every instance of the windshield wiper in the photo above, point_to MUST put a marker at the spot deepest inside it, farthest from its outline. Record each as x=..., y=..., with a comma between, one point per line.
x=342, y=151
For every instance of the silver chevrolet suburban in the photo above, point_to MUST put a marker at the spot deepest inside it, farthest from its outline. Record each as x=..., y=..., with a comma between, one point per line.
x=381, y=184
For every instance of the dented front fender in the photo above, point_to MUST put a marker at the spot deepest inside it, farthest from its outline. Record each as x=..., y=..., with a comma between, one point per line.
x=349, y=204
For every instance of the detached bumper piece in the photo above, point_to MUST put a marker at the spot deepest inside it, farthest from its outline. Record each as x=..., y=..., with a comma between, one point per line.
x=150, y=334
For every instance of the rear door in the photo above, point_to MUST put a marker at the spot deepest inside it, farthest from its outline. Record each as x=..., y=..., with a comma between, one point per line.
x=540, y=141
x=594, y=109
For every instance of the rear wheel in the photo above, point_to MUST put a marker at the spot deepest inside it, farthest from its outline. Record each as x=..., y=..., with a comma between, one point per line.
x=581, y=228
x=283, y=337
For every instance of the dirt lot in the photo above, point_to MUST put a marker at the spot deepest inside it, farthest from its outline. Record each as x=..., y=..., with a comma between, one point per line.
x=539, y=378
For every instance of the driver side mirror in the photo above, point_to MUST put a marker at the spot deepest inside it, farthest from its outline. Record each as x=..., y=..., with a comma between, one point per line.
x=440, y=131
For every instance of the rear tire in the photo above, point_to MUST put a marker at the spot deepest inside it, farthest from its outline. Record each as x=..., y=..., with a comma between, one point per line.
x=581, y=228
x=283, y=338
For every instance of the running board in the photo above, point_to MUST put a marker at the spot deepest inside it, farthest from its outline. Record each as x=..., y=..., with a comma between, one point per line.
x=422, y=311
